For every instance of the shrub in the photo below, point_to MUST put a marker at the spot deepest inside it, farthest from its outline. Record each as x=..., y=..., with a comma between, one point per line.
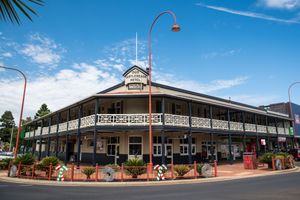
x=181, y=170
x=135, y=167
x=44, y=164
x=25, y=159
x=266, y=158
x=5, y=163
x=199, y=169
x=282, y=154
x=88, y=171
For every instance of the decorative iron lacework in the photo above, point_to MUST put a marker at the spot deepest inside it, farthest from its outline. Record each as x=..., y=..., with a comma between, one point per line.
x=199, y=122
x=220, y=124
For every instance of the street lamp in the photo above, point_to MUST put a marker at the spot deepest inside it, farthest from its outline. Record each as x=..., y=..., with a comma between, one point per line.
x=290, y=105
x=22, y=106
x=175, y=28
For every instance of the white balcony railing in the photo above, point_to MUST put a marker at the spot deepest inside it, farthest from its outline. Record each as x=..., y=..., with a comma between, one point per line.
x=45, y=130
x=220, y=124
x=236, y=126
x=272, y=129
x=176, y=120
x=280, y=130
x=62, y=127
x=53, y=128
x=199, y=122
x=128, y=119
x=250, y=127
x=287, y=131
x=87, y=121
x=73, y=124
x=261, y=129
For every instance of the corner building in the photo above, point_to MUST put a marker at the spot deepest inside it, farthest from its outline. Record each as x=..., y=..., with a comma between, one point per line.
x=113, y=126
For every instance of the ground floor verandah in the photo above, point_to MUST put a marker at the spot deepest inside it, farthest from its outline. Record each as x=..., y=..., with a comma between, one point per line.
x=168, y=146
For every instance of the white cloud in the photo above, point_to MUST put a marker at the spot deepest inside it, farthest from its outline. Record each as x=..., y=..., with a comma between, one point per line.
x=63, y=88
x=193, y=85
x=215, y=54
x=255, y=100
x=43, y=51
x=6, y=55
x=280, y=4
x=250, y=14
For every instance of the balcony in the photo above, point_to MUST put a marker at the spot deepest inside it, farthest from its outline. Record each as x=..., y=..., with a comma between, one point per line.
x=157, y=119
x=280, y=130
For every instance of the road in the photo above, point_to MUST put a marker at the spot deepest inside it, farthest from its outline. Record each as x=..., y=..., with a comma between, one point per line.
x=284, y=186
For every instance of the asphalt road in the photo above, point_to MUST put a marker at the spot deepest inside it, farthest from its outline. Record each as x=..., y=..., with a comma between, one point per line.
x=283, y=187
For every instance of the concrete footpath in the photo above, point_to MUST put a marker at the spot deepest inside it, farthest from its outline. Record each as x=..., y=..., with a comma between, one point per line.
x=225, y=173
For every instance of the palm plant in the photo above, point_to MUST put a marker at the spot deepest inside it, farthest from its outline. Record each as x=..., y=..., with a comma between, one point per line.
x=9, y=9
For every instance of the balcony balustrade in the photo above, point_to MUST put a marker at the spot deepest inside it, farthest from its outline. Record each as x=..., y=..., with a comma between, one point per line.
x=176, y=120
x=250, y=127
x=62, y=127
x=280, y=130
x=287, y=131
x=157, y=119
x=272, y=129
x=220, y=124
x=236, y=126
x=73, y=124
x=128, y=119
x=87, y=121
x=199, y=122
x=261, y=129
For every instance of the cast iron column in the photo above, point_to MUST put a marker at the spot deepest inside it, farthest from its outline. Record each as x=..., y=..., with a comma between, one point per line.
x=190, y=133
x=95, y=131
x=163, y=146
x=79, y=136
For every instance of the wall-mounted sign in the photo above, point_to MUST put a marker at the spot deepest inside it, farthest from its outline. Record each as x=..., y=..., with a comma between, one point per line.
x=291, y=131
x=263, y=142
x=281, y=139
x=297, y=119
x=135, y=78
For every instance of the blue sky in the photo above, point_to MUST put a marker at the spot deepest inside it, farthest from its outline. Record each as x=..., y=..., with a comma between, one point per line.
x=246, y=50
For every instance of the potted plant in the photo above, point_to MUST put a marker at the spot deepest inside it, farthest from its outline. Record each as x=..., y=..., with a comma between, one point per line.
x=88, y=171
x=135, y=167
x=181, y=170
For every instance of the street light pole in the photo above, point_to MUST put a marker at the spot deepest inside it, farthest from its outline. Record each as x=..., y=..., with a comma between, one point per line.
x=291, y=112
x=22, y=106
x=175, y=28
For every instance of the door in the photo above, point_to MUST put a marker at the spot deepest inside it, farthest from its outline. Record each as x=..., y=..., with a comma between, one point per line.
x=169, y=153
x=117, y=153
x=135, y=147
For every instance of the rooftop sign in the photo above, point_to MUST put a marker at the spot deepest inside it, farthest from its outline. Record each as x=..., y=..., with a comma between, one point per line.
x=135, y=78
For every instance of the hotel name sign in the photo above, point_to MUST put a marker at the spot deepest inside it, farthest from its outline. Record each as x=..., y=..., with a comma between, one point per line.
x=136, y=79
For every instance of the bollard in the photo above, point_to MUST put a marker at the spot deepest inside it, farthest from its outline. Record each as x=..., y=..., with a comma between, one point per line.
x=19, y=169
x=9, y=167
x=33, y=171
x=172, y=170
x=122, y=172
x=50, y=172
x=72, y=172
x=97, y=170
x=283, y=163
x=148, y=171
x=216, y=168
x=195, y=169
x=273, y=164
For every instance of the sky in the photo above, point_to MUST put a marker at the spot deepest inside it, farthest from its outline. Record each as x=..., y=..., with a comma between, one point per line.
x=247, y=51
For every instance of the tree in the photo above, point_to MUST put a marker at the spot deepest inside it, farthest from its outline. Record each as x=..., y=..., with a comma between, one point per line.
x=42, y=111
x=9, y=9
x=7, y=119
x=7, y=123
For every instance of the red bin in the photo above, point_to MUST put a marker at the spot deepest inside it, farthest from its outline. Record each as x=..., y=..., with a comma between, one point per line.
x=249, y=160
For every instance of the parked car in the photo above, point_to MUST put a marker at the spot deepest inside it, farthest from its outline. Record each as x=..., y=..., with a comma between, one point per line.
x=295, y=153
x=4, y=155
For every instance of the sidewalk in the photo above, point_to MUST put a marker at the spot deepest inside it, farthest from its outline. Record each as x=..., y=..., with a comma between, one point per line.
x=225, y=172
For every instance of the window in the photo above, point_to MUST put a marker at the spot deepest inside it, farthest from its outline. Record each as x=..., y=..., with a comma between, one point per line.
x=112, y=143
x=184, y=147
x=135, y=145
x=157, y=147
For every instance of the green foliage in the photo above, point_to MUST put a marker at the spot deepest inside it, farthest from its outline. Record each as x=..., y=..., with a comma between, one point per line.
x=282, y=154
x=88, y=171
x=25, y=159
x=44, y=164
x=10, y=9
x=7, y=119
x=5, y=163
x=181, y=170
x=135, y=167
x=199, y=168
x=266, y=158
x=42, y=111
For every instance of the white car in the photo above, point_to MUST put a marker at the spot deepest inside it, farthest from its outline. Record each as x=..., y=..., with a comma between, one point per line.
x=4, y=155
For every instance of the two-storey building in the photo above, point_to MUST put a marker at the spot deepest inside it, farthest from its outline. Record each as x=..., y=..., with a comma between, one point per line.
x=113, y=126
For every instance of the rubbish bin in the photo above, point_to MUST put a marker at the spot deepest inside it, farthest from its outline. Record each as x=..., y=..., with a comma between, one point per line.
x=249, y=159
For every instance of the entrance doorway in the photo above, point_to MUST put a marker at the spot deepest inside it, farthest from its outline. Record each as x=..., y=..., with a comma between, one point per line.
x=169, y=153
